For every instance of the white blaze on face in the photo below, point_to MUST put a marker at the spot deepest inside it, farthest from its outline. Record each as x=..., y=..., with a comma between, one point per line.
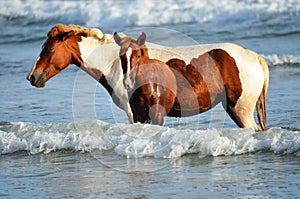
x=128, y=83
x=33, y=68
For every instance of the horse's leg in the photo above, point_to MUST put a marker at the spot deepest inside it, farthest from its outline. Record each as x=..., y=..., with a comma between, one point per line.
x=141, y=115
x=242, y=110
x=130, y=115
x=157, y=113
x=244, y=116
x=136, y=118
x=231, y=114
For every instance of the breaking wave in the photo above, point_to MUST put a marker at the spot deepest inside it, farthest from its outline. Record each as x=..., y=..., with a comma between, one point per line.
x=282, y=60
x=137, y=141
x=140, y=13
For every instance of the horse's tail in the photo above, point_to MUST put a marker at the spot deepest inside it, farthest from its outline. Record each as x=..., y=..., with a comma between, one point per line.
x=261, y=102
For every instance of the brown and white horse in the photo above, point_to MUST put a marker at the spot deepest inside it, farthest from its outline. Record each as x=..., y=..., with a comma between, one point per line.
x=222, y=73
x=88, y=48
x=151, y=83
x=97, y=54
x=209, y=79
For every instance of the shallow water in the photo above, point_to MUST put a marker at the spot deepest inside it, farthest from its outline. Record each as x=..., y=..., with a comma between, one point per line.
x=96, y=159
x=66, y=174
x=70, y=141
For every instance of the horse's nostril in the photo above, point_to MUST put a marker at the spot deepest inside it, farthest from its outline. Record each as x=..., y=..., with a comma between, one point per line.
x=31, y=78
x=128, y=83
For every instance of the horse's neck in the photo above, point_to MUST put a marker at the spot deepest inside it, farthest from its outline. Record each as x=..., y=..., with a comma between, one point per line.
x=99, y=57
x=146, y=60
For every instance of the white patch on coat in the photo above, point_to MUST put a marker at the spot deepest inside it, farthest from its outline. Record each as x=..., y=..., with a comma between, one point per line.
x=33, y=68
x=127, y=81
x=104, y=57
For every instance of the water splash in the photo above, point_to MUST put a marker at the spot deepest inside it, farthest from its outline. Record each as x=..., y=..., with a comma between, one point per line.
x=140, y=141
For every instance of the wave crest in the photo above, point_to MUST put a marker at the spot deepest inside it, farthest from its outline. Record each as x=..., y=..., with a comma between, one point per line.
x=138, y=140
x=129, y=13
x=282, y=60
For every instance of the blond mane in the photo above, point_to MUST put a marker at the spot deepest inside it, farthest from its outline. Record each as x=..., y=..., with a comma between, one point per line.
x=59, y=29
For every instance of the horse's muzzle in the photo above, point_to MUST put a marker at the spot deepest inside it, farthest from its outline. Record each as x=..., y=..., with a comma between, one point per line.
x=128, y=83
x=37, y=80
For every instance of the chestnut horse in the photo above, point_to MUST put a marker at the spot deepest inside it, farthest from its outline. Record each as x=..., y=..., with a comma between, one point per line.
x=150, y=83
x=97, y=54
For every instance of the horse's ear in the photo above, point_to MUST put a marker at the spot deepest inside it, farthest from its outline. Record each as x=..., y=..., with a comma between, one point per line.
x=117, y=38
x=65, y=35
x=60, y=31
x=142, y=39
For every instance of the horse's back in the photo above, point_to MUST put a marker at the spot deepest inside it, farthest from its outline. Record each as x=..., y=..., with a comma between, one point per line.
x=247, y=61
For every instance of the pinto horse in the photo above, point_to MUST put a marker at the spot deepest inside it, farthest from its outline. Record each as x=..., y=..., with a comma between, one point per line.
x=97, y=54
x=209, y=79
x=150, y=83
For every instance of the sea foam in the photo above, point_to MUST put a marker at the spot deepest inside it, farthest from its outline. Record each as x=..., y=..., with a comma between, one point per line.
x=138, y=141
x=149, y=13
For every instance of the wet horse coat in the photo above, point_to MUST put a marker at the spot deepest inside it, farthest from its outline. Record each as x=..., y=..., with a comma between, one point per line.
x=97, y=54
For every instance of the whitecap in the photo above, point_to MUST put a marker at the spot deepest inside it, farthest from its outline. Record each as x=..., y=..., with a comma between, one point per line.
x=138, y=141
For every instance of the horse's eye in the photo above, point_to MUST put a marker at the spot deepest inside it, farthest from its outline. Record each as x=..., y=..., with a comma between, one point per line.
x=138, y=56
x=51, y=50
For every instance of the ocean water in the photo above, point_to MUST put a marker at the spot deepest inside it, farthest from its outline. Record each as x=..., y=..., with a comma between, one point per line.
x=69, y=140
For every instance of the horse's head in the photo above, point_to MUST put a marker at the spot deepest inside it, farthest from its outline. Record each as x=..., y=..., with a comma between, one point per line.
x=132, y=53
x=60, y=50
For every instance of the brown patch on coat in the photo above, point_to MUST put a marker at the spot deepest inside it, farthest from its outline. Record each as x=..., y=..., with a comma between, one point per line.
x=211, y=78
x=192, y=93
x=230, y=75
